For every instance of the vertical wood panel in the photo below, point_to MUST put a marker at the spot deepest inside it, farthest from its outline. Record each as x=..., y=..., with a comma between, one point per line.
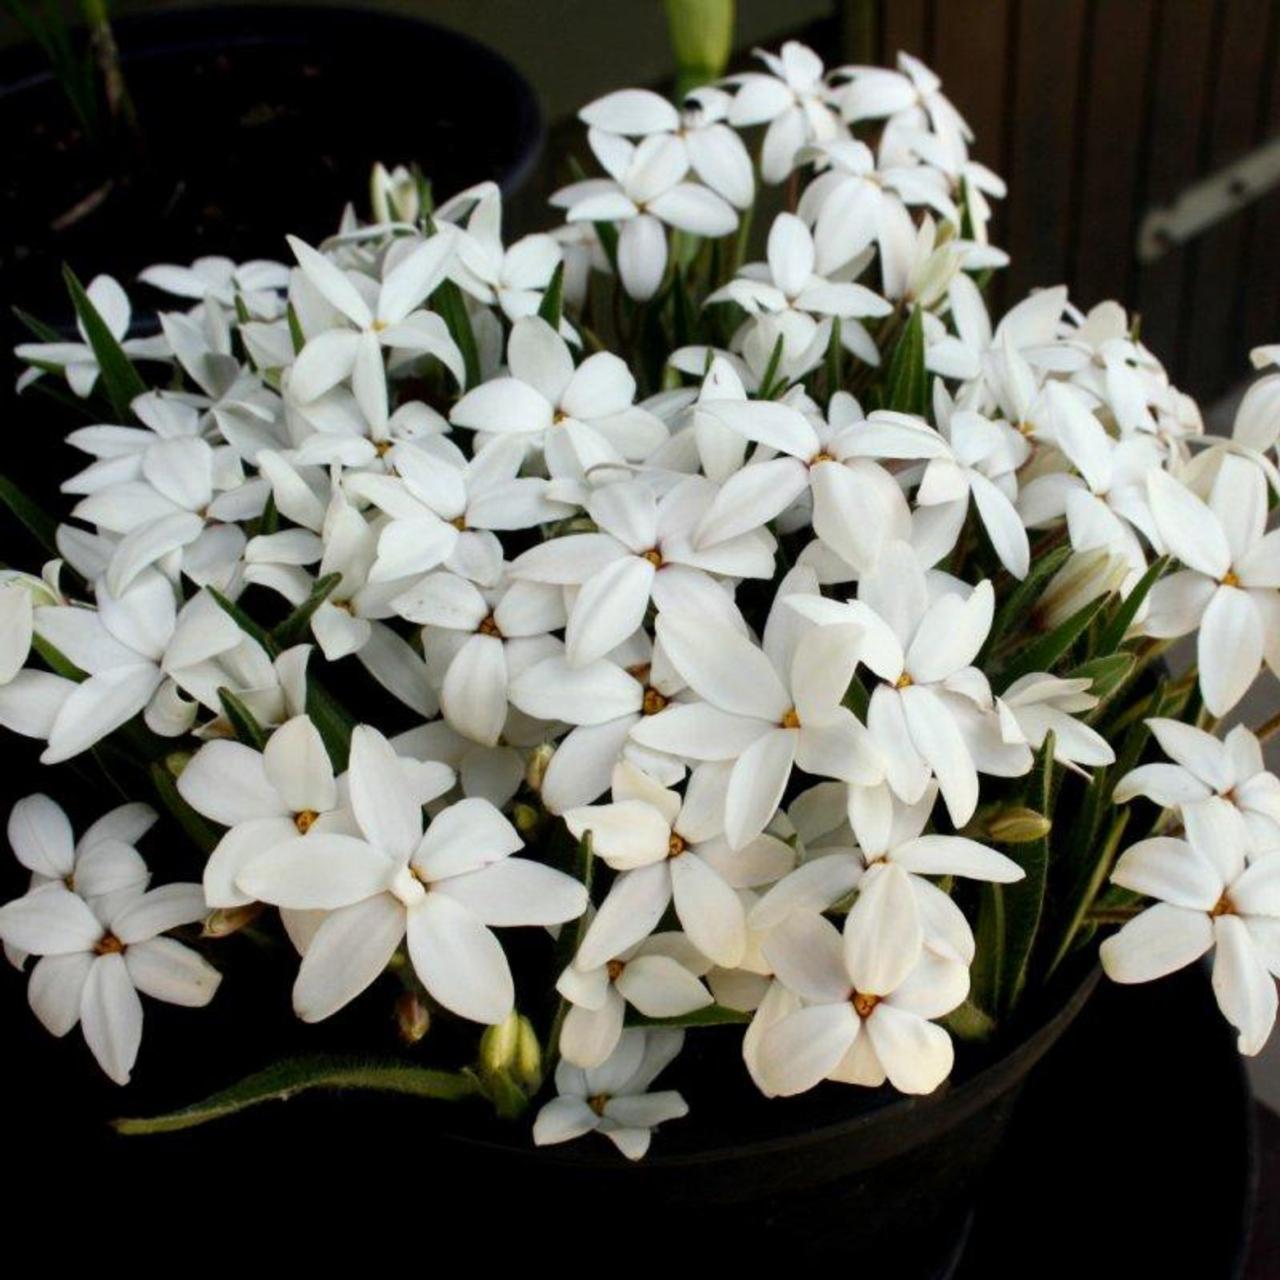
x=1205, y=353
x=1040, y=163
x=1110, y=151
x=970, y=42
x=1258, y=285
x=1178, y=99
x=904, y=26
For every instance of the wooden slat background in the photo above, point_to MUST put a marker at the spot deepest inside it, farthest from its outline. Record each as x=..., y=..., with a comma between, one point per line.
x=1095, y=111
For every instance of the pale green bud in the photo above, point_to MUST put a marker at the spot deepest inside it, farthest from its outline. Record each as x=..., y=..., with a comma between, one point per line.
x=413, y=1018
x=701, y=38
x=1086, y=576
x=536, y=769
x=1017, y=825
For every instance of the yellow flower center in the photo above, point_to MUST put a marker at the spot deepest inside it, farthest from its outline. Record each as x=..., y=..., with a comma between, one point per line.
x=675, y=846
x=109, y=945
x=904, y=681
x=303, y=820
x=863, y=1003
x=1230, y=579
x=791, y=720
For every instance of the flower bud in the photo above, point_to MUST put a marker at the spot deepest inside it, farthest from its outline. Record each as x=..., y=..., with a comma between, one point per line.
x=222, y=922
x=525, y=818
x=393, y=196
x=175, y=762
x=701, y=34
x=528, y=1063
x=1017, y=825
x=1086, y=576
x=413, y=1018
x=500, y=1044
x=536, y=769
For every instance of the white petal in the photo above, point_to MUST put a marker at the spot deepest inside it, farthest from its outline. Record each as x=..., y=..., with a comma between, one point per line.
x=56, y=989
x=630, y=912
x=1246, y=992
x=166, y=970
x=710, y=911
x=1229, y=648
x=916, y=1055
x=387, y=813
x=111, y=1017
x=805, y=1047
x=756, y=786
x=41, y=838
x=349, y=950
x=882, y=933
x=459, y=961
x=1156, y=942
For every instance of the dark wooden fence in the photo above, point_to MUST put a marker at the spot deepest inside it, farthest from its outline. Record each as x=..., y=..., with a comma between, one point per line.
x=1097, y=111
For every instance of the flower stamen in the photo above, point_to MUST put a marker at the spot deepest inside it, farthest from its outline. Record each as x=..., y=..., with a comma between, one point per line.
x=863, y=1003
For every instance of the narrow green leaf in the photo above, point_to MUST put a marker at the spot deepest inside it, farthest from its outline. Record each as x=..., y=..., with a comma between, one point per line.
x=39, y=330
x=771, y=371
x=1089, y=883
x=1113, y=631
x=907, y=380
x=198, y=829
x=294, y=627
x=552, y=305
x=714, y=1015
x=120, y=379
x=244, y=622
x=1021, y=601
x=1105, y=674
x=569, y=940
x=684, y=316
x=985, y=973
x=332, y=721
x=242, y=720
x=608, y=236
x=1043, y=654
x=1024, y=899
x=42, y=526
x=857, y=699
x=969, y=1023
x=834, y=358
x=448, y=302
x=296, y=336
x=57, y=662
x=287, y=1079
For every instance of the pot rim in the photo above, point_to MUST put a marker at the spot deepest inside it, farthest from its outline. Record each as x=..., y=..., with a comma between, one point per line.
x=147, y=35
x=945, y=1107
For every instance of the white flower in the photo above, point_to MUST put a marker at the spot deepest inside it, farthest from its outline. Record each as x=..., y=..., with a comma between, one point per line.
x=645, y=549
x=768, y=709
x=1206, y=897
x=92, y=969
x=868, y=1004
x=788, y=281
x=652, y=839
x=645, y=192
x=876, y=93
x=857, y=505
x=102, y=866
x=388, y=318
x=967, y=457
x=793, y=100
x=585, y=413
x=443, y=889
x=1038, y=704
x=1203, y=766
x=1229, y=588
x=658, y=977
x=921, y=646
x=613, y=1099
x=480, y=642
x=77, y=361
x=257, y=284
x=515, y=277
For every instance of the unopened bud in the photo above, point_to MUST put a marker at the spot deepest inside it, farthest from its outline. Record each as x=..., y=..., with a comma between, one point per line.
x=222, y=922
x=701, y=39
x=528, y=1063
x=536, y=769
x=1017, y=825
x=176, y=761
x=525, y=817
x=413, y=1018
x=500, y=1044
x=1086, y=576
x=393, y=196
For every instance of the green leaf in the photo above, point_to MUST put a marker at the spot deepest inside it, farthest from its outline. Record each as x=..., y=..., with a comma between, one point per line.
x=969, y=1023
x=58, y=663
x=1112, y=634
x=42, y=526
x=296, y=336
x=907, y=381
x=244, y=622
x=771, y=371
x=713, y=1015
x=857, y=699
x=1090, y=881
x=552, y=305
x=1022, y=599
x=243, y=721
x=1024, y=899
x=684, y=316
x=198, y=829
x=333, y=722
x=39, y=330
x=448, y=302
x=985, y=973
x=1104, y=674
x=287, y=1079
x=120, y=379
x=294, y=627
x=570, y=939
x=833, y=358
x=1043, y=654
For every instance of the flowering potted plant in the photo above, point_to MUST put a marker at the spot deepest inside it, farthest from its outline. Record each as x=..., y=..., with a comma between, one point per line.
x=647, y=671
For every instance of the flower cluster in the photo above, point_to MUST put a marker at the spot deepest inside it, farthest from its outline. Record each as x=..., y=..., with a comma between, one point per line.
x=710, y=621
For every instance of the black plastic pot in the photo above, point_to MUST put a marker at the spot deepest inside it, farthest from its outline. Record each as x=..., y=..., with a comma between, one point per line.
x=257, y=120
